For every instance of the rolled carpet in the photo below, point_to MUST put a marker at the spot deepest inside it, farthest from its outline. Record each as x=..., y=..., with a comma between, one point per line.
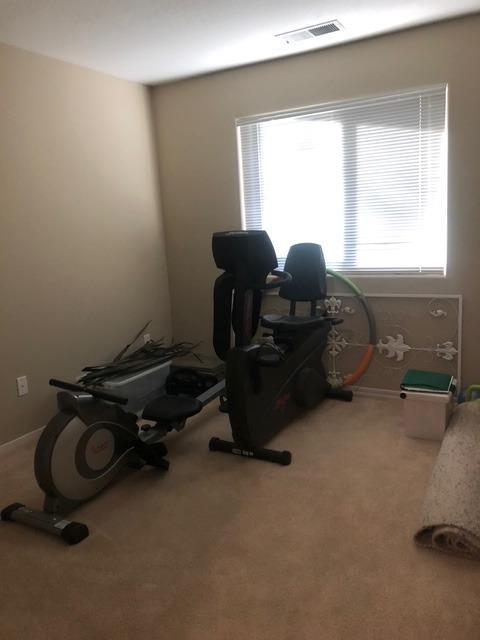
x=451, y=511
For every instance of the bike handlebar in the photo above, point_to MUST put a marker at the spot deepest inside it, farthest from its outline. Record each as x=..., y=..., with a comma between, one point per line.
x=281, y=277
x=96, y=393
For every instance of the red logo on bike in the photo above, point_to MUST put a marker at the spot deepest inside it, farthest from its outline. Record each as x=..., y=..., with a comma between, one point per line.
x=99, y=447
x=281, y=402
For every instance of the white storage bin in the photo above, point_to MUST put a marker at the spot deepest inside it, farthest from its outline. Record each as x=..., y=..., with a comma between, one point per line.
x=426, y=415
x=140, y=387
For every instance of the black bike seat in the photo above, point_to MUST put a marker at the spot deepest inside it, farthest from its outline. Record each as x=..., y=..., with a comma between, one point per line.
x=168, y=409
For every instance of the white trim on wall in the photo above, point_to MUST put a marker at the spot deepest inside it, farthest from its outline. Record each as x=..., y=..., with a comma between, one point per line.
x=31, y=435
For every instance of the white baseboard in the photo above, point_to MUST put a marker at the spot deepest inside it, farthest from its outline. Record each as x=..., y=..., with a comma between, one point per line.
x=31, y=435
x=376, y=393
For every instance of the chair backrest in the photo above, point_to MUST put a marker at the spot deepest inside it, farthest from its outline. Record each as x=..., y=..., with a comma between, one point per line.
x=306, y=264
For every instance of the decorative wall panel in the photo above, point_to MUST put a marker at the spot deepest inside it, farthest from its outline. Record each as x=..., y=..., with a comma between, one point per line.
x=413, y=332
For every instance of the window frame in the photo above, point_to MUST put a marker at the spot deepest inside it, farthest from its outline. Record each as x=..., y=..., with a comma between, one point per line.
x=346, y=103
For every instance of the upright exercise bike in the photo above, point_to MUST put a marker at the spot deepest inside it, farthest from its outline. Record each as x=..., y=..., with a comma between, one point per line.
x=270, y=383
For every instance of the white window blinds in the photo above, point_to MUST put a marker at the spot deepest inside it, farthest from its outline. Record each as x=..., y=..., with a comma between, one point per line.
x=365, y=179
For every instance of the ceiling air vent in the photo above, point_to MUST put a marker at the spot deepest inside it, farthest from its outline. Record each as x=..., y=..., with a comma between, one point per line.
x=308, y=33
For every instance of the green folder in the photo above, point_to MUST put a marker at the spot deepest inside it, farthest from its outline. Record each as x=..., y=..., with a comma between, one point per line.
x=427, y=381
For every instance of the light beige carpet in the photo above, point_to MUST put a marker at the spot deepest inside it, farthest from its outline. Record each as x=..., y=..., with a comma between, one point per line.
x=224, y=548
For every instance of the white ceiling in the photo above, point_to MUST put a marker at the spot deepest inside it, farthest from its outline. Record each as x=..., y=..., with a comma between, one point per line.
x=160, y=40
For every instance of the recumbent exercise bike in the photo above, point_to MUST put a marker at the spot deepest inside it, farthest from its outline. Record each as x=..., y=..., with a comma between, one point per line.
x=270, y=383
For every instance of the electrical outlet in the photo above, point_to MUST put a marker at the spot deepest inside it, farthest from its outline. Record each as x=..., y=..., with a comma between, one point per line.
x=146, y=338
x=22, y=386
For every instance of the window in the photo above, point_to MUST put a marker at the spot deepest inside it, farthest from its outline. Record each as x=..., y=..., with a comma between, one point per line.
x=365, y=179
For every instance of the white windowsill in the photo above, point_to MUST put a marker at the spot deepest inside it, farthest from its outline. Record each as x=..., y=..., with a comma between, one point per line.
x=423, y=276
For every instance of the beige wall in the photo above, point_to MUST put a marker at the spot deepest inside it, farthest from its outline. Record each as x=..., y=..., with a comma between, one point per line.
x=82, y=257
x=198, y=156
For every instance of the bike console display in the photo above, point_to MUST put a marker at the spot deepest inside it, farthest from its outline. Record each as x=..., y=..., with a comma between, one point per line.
x=246, y=257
